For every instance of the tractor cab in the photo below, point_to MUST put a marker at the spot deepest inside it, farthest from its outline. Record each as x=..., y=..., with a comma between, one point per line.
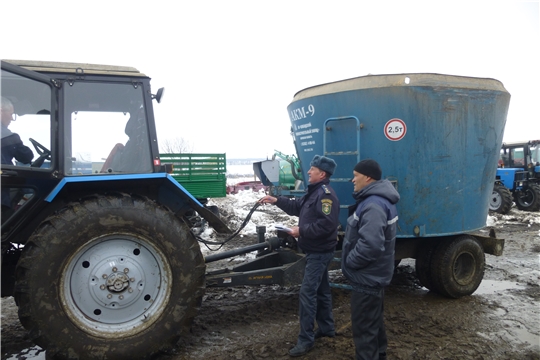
x=535, y=154
x=520, y=154
x=73, y=120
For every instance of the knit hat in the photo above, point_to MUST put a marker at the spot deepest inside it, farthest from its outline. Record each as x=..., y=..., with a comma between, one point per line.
x=324, y=163
x=369, y=168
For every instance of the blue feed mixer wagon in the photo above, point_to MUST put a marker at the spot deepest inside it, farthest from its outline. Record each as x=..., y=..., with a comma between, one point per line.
x=437, y=138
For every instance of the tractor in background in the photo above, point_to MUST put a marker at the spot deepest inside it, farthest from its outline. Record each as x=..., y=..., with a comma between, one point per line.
x=518, y=178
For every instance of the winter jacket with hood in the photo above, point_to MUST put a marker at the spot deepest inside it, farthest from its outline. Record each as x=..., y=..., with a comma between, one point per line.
x=368, y=248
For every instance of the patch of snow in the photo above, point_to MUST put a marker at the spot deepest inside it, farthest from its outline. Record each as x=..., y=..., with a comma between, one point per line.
x=491, y=221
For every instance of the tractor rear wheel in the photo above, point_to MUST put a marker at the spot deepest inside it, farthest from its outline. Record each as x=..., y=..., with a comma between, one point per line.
x=110, y=277
x=457, y=266
x=528, y=199
x=501, y=199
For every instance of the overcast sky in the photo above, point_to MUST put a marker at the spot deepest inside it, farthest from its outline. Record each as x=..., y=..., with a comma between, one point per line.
x=231, y=68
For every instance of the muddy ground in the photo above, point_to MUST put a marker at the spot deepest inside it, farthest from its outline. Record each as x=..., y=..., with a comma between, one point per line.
x=500, y=321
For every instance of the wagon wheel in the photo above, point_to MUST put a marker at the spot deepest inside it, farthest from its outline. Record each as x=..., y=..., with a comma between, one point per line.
x=457, y=266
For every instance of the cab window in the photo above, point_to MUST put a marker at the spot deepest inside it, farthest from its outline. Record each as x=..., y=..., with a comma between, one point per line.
x=106, y=129
x=26, y=121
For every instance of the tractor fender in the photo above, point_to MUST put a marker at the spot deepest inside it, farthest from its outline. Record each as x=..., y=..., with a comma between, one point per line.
x=164, y=189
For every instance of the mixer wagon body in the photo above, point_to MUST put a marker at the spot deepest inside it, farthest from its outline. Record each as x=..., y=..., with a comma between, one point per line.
x=437, y=138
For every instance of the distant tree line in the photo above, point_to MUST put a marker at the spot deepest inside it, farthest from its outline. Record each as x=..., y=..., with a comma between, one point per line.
x=175, y=146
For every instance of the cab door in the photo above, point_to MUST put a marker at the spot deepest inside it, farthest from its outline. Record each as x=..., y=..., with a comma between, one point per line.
x=28, y=109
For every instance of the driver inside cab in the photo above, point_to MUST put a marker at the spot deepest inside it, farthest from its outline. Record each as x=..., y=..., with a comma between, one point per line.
x=12, y=145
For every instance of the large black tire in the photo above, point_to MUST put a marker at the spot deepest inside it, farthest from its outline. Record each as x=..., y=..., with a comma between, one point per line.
x=111, y=277
x=424, y=255
x=529, y=198
x=457, y=266
x=501, y=199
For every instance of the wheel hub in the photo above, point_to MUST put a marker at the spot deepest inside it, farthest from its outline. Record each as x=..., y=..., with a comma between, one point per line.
x=464, y=268
x=116, y=281
x=496, y=200
x=111, y=287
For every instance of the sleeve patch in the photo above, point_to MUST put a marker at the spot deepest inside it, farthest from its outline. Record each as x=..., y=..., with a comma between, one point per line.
x=326, y=206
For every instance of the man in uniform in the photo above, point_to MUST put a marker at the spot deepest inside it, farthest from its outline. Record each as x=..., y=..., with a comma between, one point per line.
x=318, y=222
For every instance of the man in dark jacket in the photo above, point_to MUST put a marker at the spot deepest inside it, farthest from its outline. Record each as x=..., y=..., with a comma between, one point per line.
x=12, y=147
x=318, y=222
x=368, y=256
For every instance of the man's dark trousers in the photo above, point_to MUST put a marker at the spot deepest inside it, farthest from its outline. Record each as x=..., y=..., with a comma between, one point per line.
x=369, y=333
x=315, y=298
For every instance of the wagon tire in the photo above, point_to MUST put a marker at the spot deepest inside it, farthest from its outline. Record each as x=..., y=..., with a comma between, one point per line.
x=501, y=199
x=109, y=277
x=424, y=256
x=457, y=266
x=529, y=198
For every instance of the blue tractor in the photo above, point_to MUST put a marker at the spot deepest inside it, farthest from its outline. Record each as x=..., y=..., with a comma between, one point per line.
x=518, y=178
x=96, y=241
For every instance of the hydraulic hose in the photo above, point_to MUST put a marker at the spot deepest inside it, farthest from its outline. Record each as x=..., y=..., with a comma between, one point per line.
x=244, y=223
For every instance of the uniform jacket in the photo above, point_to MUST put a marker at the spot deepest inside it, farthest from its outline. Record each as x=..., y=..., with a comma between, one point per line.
x=368, y=247
x=318, y=213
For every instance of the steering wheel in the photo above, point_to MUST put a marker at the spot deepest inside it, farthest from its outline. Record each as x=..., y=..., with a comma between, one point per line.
x=44, y=153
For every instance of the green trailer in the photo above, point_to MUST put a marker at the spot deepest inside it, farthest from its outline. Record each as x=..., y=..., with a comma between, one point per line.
x=203, y=175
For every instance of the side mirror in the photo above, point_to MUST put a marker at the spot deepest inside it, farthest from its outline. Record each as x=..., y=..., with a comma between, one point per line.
x=159, y=95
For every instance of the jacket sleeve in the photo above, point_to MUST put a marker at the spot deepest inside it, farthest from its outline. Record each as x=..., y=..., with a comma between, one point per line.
x=323, y=220
x=13, y=145
x=23, y=154
x=290, y=206
x=370, y=245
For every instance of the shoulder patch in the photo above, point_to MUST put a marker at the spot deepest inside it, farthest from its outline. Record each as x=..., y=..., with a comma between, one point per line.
x=326, y=190
x=326, y=206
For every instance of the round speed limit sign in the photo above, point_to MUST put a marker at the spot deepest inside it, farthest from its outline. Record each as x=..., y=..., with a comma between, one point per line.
x=395, y=129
